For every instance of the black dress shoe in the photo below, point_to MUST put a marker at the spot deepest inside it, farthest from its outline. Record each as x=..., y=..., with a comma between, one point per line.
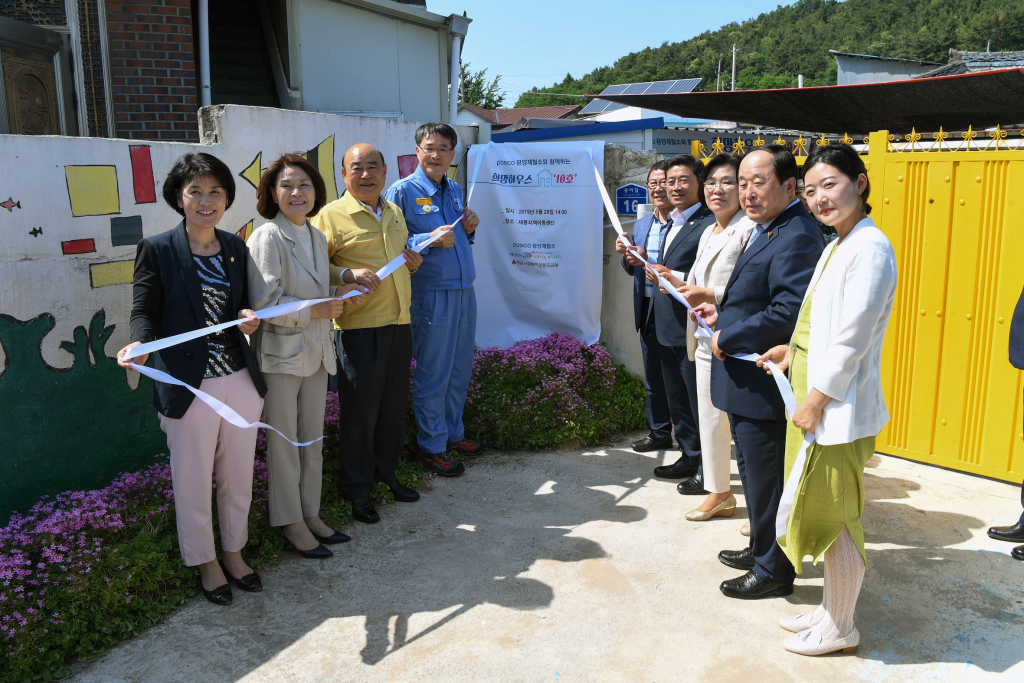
x=363, y=511
x=694, y=486
x=647, y=444
x=402, y=494
x=1018, y=553
x=737, y=559
x=336, y=537
x=750, y=586
x=251, y=582
x=1013, y=534
x=221, y=595
x=680, y=469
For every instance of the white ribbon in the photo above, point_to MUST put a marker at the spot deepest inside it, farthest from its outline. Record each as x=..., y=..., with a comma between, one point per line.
x=792, y=483
x=219, y=407
x=265, y=313
x=613, y=215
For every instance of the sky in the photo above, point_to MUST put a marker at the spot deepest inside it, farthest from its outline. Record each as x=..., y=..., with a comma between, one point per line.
x=536, y=42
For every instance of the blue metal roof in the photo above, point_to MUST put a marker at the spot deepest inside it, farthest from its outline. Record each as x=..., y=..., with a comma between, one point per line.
x=583, y=131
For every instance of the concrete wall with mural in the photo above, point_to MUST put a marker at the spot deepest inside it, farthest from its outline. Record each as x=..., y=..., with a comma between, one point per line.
x=76, y=208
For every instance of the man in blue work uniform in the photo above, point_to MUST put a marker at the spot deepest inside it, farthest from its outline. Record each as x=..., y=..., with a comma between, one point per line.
x=443, y=306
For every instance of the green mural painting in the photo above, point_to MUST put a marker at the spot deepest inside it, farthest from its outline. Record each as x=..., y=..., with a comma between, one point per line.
x=68, y=428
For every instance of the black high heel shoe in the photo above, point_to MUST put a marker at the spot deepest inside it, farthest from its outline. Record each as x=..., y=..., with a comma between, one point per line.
x=250, y=583
x=221, y=595
x=318, y=553
x=336, y=537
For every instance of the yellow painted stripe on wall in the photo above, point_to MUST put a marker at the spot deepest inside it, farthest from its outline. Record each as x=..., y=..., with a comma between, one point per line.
x=112, y=273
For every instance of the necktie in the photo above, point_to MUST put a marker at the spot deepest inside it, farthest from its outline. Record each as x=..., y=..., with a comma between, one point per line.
x=665, y=229
x=758, y=230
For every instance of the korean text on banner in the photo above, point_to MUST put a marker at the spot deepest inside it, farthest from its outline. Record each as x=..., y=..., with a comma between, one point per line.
x=538, y=247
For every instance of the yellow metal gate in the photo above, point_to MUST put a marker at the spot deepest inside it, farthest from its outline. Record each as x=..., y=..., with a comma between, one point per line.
x=955, y=220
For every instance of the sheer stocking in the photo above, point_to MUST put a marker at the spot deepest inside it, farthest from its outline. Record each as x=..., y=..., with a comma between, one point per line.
x=844, y=574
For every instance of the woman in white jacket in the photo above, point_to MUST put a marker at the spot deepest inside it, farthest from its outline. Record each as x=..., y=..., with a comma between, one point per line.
x=295, y=351
x=834, y=361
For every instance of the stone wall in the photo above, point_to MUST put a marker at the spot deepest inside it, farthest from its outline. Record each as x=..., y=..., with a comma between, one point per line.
x=621, y=165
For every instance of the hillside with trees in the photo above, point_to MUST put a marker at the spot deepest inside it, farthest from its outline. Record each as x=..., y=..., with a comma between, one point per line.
x=778, y=45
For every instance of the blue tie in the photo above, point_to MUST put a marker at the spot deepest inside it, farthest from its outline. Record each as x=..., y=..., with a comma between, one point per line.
x=758, y=231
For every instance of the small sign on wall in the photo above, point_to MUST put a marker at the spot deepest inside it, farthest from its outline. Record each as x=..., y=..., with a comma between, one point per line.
x=628, y=198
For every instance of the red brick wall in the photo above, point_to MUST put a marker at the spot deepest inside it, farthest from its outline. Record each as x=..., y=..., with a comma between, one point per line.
x=152, y=69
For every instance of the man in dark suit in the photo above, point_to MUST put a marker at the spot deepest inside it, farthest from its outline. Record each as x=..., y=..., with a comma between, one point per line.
x=677, y=255
x=648, y=233
x=758, y=311
x=1015, y=532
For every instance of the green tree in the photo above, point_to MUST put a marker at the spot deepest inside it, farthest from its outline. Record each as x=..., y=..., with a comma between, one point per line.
x=777, y=46
x=475, y=89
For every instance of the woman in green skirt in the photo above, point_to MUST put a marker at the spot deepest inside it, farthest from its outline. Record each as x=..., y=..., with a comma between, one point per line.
x=834, y=361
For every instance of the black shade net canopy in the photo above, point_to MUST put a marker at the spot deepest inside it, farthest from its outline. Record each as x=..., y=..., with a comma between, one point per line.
x=982, y=100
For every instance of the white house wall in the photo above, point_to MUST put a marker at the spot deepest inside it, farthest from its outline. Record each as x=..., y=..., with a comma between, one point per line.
x=69, y=228
x=37, y=277
x=355, y=60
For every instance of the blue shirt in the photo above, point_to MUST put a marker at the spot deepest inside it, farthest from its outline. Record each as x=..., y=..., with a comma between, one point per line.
x=427, y=206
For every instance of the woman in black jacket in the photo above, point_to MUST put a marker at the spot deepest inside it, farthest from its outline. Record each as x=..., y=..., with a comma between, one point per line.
x=189, y=277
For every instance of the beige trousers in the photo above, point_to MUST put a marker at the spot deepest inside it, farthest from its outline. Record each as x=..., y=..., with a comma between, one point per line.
x=295, y=473
x=715, y=437
x=203, y=446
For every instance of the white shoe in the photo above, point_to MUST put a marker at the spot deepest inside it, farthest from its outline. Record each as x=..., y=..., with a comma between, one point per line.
x=745, y=529
x=809, y=643
x=802, y=621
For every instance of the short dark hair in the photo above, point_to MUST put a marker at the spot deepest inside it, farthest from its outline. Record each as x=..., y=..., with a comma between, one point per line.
x=265, y=204
x=193, y=165
x=690, y=161
x=658, y=166
x=783, y=162
x=722, y=159
x=443, y=129
x=846, y=160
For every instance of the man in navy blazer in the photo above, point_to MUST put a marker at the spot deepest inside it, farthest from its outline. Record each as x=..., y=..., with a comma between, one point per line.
x=1015, y=532
x=677, y=255
x=648, y=232
x=758, y=311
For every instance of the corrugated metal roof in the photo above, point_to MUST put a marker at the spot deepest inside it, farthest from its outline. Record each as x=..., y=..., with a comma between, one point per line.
x=652, y=87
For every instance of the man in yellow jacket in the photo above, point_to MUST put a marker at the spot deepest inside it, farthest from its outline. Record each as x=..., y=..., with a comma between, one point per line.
x=374, y=343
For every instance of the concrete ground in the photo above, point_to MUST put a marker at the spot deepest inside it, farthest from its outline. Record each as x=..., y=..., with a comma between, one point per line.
x=579, y=566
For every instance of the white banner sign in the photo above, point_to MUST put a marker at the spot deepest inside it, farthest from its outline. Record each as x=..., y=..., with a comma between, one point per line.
x=538, y=247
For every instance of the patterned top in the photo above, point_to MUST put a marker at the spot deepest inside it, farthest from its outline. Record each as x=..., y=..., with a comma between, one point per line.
x=654, y=238
x=224, y=351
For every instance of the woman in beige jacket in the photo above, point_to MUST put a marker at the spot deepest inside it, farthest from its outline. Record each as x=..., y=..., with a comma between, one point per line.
x=719, y=247
x=295, y=351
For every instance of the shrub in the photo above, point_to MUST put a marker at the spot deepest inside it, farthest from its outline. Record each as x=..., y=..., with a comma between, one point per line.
x=86, y=569
x=549, y=392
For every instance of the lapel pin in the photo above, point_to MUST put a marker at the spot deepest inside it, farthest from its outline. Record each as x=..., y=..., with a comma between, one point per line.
x=232, y=259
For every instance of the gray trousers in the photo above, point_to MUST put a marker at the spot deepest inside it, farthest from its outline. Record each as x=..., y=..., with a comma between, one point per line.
x=296, y=406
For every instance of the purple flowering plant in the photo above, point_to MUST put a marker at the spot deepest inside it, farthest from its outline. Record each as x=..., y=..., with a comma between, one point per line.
x=550, y=392
x=85, y=569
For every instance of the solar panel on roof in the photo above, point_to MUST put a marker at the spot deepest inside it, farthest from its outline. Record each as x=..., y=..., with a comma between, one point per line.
x=650, y=87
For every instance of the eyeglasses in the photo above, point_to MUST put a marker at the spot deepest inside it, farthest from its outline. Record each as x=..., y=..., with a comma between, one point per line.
x=654, y=184
x=726, y=184
x=431, y=151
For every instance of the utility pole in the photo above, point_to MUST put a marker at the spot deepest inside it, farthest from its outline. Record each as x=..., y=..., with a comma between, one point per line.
x=718, y=84
x=734, y=66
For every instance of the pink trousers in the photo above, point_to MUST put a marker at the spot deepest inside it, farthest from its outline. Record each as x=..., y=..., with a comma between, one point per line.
x=204, y=446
